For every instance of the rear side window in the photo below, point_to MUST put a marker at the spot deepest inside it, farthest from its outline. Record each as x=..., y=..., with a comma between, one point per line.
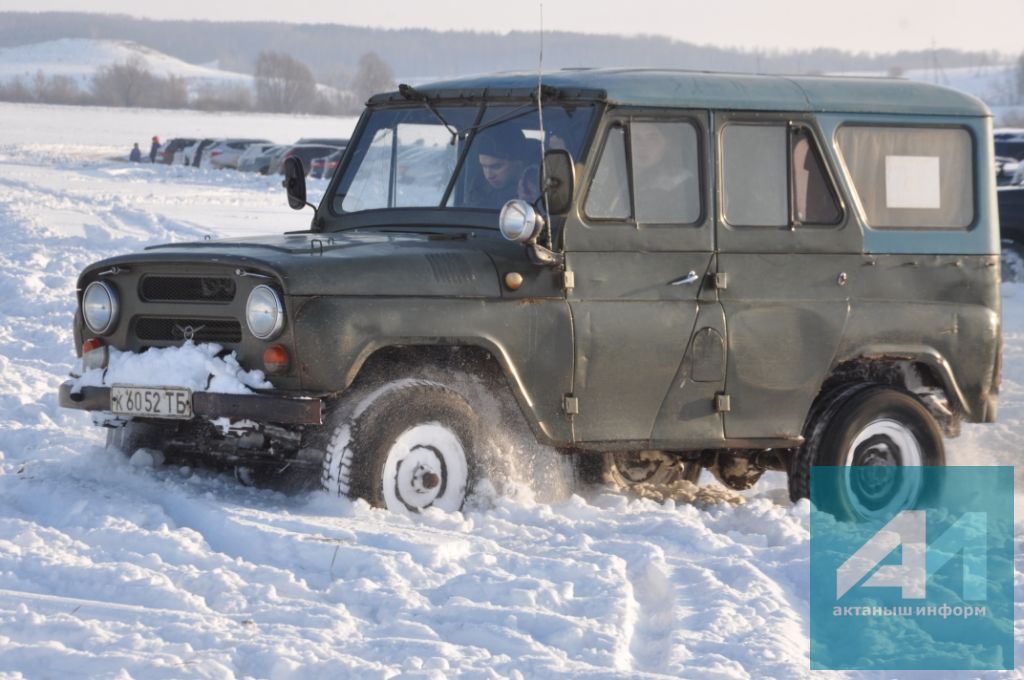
x=911, y=177
x=754, y=168
x=773, y=176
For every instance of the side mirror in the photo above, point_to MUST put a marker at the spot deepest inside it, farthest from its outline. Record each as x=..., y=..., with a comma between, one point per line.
x=295, y=183
x=561, y=179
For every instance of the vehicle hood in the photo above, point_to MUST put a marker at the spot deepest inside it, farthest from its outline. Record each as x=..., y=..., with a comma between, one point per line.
x=353, y=263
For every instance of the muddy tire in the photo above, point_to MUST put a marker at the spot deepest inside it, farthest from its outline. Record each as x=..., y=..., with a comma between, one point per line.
x=406, y=447
x=869, y=426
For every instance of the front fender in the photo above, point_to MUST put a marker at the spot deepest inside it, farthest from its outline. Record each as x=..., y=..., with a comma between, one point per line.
x=531, y=339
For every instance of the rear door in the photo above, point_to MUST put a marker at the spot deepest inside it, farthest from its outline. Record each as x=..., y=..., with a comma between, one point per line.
x=787, y=248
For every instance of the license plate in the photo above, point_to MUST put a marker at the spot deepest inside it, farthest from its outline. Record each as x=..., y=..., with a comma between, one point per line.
x=159, y=402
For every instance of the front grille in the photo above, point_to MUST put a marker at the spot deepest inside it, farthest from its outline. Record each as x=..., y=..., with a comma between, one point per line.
x=150, y=328
x=187, y=289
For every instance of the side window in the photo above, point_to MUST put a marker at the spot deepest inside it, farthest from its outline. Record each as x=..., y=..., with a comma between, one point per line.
x=911, y=177
x=773, y=176
x=813, y=199
x=609, y=192
x=664, y=165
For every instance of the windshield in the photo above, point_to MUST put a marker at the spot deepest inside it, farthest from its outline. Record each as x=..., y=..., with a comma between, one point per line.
x=482, y=158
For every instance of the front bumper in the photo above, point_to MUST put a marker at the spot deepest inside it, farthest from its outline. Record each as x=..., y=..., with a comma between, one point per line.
x=261, y=408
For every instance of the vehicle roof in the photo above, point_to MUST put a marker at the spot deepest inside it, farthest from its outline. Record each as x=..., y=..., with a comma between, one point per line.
x=700, y=89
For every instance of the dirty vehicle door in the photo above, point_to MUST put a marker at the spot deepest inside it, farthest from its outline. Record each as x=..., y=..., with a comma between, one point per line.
x=638, y=259
x=787, y=249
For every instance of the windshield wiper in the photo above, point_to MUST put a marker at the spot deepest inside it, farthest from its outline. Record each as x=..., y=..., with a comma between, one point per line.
x=412, y=94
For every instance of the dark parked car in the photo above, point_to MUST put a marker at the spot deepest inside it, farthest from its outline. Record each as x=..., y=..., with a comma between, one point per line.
x=173, y=146
x=328, y=141
x=306, y=153
x=1011, y=231
x=324, y=167
x=1009, y=143
x=194, y=153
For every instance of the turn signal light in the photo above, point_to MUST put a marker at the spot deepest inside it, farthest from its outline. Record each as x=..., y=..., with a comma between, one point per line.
x=276, y=359
x=95, y=354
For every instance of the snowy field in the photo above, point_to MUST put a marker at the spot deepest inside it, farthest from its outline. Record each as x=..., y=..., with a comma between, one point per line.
x=113, y=570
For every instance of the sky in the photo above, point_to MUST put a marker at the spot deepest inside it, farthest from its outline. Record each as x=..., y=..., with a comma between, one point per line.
x=864, y=25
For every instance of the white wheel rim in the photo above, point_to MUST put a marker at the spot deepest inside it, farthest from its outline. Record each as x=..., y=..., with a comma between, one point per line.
x=425, y=467
x=886, y=443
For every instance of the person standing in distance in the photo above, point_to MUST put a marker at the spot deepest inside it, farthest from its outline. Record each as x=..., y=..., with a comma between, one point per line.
x=153, y=149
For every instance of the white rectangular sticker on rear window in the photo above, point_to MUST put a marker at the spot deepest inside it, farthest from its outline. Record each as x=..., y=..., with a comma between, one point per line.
x=912, y=182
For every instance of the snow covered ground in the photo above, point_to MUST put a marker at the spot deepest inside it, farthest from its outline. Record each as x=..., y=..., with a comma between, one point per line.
x=109, y=569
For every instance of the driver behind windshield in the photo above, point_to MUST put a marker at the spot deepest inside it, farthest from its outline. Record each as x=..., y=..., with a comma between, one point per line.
x=502, y=153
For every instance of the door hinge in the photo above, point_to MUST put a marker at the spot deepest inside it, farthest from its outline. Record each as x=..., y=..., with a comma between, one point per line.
x=723, y=402
x=568, y=280
x=571, y=405
x=721, y=280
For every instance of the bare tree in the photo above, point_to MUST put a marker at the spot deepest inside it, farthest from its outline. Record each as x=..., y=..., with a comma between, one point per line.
x=373, y=75
x=128, y=83
x=283, y=84
x=223, y=98
x=16, y=91
x=56, y=89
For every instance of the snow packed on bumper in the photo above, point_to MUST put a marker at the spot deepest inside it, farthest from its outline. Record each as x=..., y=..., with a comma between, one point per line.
x=198, y=367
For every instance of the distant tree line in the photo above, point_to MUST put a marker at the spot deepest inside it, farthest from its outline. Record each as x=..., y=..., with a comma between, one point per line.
x=421, y=53
x=282, y=84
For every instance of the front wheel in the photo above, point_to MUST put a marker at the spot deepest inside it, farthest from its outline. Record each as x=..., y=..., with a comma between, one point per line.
x=884, y=432
x=406, y=447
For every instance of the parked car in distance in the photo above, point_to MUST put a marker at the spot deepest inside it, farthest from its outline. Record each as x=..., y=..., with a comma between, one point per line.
x=306, y=153
x=247, y=162
x=172, y=147
x=193, y=154
x=1006, y=170
x=225, y=153
x=323, y=168
x=329, y=141
x=1011, y=201
x=316, y=167
x=1009, y=143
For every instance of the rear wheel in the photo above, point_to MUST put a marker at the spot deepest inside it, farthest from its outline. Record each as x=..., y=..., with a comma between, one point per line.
x=869, y=426
x=406, y=447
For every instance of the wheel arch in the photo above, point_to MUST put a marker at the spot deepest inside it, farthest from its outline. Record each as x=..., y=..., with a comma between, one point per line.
x=920, y=371
x=476, y=358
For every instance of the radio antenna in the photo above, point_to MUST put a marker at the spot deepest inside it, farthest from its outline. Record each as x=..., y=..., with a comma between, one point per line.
x=543, y=132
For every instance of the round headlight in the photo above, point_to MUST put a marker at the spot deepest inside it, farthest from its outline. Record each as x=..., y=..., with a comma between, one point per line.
x=518, y=221
x=100, y=307
x=264, y=312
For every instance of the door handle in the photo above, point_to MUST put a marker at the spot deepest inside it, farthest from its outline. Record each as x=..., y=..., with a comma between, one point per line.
x=685, y=280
